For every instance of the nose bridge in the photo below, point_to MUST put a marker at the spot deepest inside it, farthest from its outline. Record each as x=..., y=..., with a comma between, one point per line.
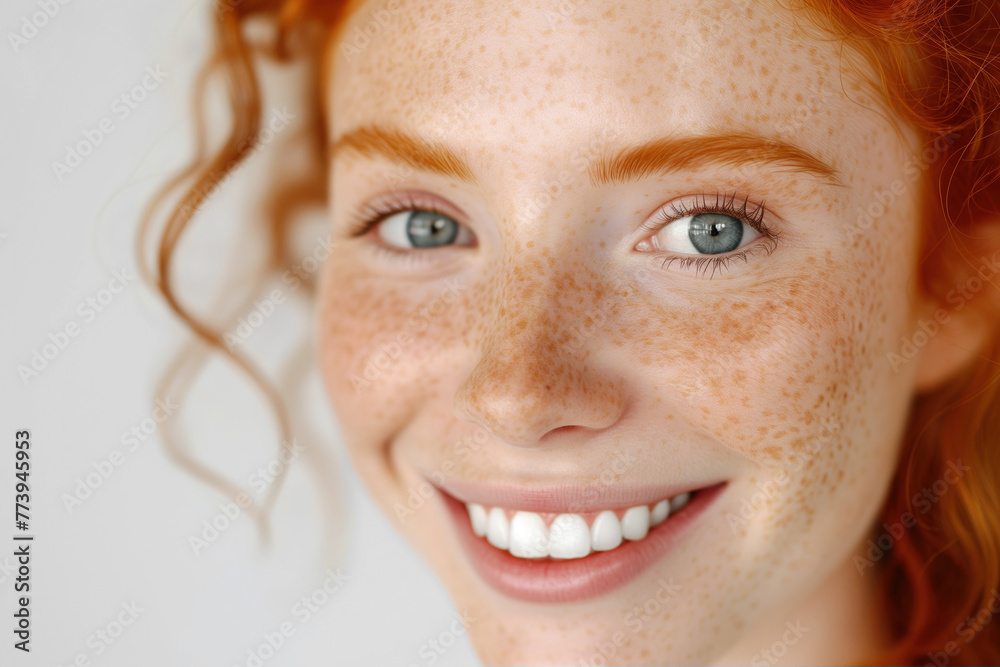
x=527, y=307
x=530, y=379
x=543, y=294
x=553, y=301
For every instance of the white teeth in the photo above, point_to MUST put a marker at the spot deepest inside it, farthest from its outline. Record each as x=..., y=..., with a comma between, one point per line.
x=660, y=513
x=525, y=534
x=569, y=537
x=635, y=522
x=679, y=502
x=606, y=533
x=529, y=536
x=498, y=530
x=477, y=515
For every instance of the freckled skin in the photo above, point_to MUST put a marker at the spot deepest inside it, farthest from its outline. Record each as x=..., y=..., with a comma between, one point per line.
x=569, y=346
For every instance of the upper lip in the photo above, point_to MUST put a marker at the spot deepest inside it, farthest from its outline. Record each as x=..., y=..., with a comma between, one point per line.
x=565, y=498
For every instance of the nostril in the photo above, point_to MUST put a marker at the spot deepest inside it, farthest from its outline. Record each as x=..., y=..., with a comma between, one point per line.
x=561, y=431
x=522, y=392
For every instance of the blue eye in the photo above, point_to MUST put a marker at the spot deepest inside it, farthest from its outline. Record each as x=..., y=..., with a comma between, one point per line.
x=711, y=233
x=422, y=229
x=704, y=234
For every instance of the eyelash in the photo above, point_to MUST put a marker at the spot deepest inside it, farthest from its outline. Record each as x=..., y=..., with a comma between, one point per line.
x=730, y=205
x=370, y=215
x=367, y=217
x=364, y=219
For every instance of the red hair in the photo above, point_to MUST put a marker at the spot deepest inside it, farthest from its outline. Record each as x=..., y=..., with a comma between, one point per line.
x=937, y=62
x=937, y=65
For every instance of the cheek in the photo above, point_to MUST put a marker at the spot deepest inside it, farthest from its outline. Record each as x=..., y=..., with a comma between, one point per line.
x=766, y=368
x=383, y=345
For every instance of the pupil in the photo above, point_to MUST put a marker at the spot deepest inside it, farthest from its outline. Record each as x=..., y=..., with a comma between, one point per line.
x=430, y=230
x=713, y=233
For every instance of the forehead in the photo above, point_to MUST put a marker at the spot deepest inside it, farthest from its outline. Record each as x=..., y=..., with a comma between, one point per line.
x=539, y=77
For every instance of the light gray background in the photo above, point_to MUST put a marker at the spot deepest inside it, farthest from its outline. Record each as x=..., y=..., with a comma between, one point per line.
x=129, y=541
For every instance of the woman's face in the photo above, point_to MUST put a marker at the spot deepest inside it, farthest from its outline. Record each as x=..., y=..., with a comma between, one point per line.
x=620, y=259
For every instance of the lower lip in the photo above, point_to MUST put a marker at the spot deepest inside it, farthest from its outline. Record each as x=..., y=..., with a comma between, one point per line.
x=548, y=580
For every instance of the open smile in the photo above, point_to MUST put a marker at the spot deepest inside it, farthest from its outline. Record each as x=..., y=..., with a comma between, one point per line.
x=560, y=546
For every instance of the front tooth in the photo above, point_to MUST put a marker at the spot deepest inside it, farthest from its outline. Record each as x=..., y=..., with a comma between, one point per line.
x=606, y=533
x=660, y=513
x=679, y=501
x=477, y=515
x=498, y=529
x=569, y=537
x=635, y=522
x=529, y=537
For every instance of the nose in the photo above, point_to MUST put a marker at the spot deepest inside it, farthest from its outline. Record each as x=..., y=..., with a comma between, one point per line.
x=537, y=372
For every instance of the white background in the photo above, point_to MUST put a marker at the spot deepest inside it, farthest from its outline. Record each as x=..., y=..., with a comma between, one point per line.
x=128, y=542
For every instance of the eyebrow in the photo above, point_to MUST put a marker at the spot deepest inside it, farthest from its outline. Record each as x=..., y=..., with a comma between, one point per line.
x=666, y=155
x=655, y=157
x=371, y=141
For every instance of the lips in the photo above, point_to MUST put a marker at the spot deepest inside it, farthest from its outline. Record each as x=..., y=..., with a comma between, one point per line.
x=562, y=545
x=527, y=534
